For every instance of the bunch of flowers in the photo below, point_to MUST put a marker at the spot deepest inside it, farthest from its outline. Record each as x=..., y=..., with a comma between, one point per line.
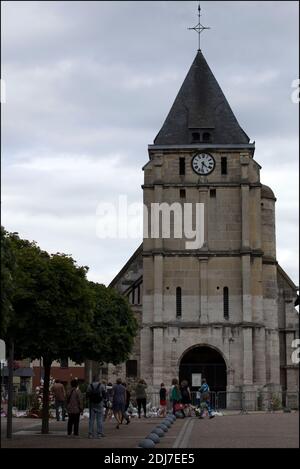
x=37, y=405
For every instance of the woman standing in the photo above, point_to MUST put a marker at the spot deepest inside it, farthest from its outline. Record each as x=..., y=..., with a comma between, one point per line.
x=118, y=401
x=74, y=408
x=186, y=397
x=141, y=397
x=176, y=399
x=174, y=381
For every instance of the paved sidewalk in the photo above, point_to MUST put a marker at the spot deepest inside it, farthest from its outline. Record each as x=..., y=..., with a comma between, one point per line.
x=253, y=430
x=27, y=434
x=257, y=430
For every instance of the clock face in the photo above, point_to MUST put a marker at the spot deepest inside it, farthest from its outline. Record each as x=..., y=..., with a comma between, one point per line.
x=203, y=163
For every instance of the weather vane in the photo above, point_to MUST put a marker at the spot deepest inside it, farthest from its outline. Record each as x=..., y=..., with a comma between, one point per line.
x=199, y=27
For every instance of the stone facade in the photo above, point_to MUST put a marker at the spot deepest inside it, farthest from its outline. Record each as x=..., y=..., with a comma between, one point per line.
x=253, y=331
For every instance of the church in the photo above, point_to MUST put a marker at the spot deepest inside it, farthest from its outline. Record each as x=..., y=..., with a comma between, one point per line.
x=224, y=311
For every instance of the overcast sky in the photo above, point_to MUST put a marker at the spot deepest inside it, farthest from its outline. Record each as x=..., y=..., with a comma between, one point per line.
x=88, y=86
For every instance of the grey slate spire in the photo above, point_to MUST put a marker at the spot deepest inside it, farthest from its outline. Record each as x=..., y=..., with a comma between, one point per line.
x=200, y=107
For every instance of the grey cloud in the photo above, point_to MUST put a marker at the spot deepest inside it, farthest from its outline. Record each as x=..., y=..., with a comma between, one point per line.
x=94, y=81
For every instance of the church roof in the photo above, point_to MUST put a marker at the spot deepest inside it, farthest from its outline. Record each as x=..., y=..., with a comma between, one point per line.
x=287, y=278
x=267, y=193
x=135, y=255
x=200, y=104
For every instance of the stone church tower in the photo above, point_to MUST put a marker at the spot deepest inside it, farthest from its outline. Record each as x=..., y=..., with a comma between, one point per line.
x=224, y=311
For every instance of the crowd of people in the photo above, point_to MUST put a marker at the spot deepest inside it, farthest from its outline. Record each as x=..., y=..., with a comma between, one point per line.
x=107, y=400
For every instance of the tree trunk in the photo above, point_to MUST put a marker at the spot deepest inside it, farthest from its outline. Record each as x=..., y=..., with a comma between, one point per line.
x=10, y=391
x=45, y=410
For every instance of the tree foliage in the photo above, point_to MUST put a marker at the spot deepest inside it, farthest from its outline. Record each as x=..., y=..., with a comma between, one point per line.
x=58, y=313
x=113, y=327
x=8, y=266
x=52, y=311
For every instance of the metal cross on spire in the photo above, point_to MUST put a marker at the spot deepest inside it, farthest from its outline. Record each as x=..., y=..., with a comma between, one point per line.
x=199, y=27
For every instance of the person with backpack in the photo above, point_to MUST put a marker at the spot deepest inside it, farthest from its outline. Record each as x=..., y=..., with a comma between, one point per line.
x=205, y=400
x=141, y=397
x=96, y=394
x=74, y=408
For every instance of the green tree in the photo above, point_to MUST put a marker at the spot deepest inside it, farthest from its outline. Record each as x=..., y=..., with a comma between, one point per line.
x=59, y=314
x=113, y=328
x=8, y=266
x=53, y=308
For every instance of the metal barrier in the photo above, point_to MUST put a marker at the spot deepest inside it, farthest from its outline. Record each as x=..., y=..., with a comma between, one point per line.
x=196, y=398
x=244, y=402
x=249, y=401
x=23, y=401
x=272, y=401
x=154, y=401
x=232, y=400
x=292, y=400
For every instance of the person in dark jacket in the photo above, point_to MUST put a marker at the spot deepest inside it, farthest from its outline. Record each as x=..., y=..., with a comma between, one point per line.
x=59, y=394
x=74, y=408
x=162, y=400
x=141, y=397
x=186, y=397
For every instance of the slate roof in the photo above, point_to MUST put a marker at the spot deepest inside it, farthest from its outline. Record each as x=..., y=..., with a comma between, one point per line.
x=138, y=252
x=200, y=104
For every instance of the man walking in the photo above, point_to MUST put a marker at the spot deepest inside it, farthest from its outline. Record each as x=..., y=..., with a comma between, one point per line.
x=96, y=394
x=205, y=400
x=59, y=394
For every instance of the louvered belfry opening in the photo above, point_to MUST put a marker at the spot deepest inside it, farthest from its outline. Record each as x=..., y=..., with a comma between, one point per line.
x=226, y=302
x=178, y=302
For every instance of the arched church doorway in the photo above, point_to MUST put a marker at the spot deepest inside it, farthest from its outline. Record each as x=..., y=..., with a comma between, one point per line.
x=206, y=361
